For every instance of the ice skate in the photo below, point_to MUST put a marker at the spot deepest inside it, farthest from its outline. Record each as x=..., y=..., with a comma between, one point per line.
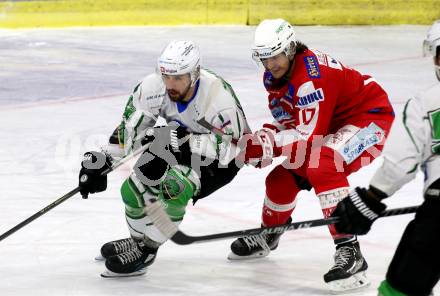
x=348, y=273
x=131, y=263
x=115, y=248
x=254, y=246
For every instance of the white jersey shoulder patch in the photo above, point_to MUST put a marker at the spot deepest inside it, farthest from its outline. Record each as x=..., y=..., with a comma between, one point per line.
x=320, y=56
x=326, y=60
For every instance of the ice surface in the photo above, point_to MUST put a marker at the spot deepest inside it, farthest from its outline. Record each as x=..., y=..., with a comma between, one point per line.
x=62, y=92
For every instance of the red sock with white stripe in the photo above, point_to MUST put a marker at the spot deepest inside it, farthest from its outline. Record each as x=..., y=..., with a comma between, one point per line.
x=280, y=201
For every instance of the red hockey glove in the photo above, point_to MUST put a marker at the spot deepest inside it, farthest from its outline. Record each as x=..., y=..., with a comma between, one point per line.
x=257, y=148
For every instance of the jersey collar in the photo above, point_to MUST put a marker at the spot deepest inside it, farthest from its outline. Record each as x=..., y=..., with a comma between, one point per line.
x=181, y=106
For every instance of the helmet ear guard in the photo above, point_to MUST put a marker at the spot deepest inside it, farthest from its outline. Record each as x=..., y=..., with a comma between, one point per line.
x=291, y=50
x=195, y=75
x=426, y=47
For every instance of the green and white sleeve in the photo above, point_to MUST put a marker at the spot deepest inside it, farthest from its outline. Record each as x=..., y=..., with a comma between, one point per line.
x=233, y=124
x=137, y=117
x=403, y=151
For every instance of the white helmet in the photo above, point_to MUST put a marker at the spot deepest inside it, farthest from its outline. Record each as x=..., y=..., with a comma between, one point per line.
x=273, y=37
x=431, y=45
x=180, y=57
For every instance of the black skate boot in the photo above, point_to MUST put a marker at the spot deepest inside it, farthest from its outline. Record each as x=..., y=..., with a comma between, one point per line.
x=349, y=270
x=255, y=246
x=131, y=263
x=116, y=247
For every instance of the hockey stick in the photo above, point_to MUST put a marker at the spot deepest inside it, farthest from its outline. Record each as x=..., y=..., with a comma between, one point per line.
x=181, y=238
x=153, y=209
x=202, y=121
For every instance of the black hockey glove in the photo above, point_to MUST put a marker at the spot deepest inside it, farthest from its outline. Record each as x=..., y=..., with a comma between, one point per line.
x=180, y=143
x=90, y=178
x=359, y=210
x=170, y=136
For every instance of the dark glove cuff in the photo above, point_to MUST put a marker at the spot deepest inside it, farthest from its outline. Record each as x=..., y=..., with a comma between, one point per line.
x=379, y=194
x=373, y=206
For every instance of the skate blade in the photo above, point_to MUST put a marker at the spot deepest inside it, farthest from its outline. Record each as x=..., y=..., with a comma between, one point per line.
x=110, y=274
x=259, y=254
x=356, y=281
x=99, y=258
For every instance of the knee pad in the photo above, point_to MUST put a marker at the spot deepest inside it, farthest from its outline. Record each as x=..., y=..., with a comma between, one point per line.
x=281, y=187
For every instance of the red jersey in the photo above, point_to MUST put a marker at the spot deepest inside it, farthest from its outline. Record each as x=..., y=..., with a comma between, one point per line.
x=322, y=95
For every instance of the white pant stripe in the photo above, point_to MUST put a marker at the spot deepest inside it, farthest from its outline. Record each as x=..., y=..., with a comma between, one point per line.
x=330, y=199
x=277, y=207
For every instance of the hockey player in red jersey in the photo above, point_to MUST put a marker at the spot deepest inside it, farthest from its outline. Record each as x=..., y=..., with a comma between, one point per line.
x=330, y=120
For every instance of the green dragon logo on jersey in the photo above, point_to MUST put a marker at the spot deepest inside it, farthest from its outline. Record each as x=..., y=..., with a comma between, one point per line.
x=434, y=121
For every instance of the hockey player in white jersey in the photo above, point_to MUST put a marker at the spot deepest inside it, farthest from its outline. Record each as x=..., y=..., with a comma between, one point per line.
x=413, y=144
x=184, y=160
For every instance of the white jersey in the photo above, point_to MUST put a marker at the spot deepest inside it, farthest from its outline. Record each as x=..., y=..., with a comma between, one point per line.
x=413, y=144
x=213, y=99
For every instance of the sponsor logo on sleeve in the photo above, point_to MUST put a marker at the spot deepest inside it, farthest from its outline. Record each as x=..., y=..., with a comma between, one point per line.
x=312, y=67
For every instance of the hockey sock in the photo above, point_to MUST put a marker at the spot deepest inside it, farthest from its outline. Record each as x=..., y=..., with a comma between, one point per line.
x=280, y=200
